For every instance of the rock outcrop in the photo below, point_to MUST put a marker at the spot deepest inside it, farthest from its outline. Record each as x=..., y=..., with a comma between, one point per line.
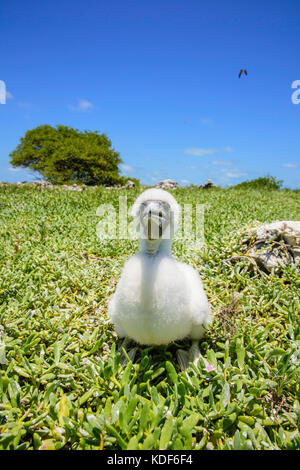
x=167, y=184
x=129, y=184
x=207, y=185
x=275, y=245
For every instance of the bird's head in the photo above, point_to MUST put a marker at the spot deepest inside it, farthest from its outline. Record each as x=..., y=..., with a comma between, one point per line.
x=156, y=215
x=154, y=219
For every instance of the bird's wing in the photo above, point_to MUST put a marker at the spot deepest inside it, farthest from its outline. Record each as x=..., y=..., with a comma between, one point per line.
x=240, y=73
x=246, y=73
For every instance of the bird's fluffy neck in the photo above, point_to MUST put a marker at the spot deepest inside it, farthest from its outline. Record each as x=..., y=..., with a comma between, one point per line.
x=155, y=247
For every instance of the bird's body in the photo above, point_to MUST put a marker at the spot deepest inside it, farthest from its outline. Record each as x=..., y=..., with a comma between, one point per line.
x=158, y=299
x=243, y=71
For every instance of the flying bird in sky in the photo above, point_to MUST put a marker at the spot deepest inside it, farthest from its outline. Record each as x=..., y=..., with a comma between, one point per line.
x=241, y=71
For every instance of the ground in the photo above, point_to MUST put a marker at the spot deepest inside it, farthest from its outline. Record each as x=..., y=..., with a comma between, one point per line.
x=62, y=384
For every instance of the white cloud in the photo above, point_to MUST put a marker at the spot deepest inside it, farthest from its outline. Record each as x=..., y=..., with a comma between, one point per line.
x=126, y=167
x=9, y=95
x=25, y=104
x=82, y=105
x=221, y=162
x=184, y=181
x=206, y=121
x=235, y=174
x=201, y=152
x=11, y=168
x=291, y=165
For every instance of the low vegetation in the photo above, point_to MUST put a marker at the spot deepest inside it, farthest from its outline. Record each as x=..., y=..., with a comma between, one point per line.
x=263, y=183
x=62, y=385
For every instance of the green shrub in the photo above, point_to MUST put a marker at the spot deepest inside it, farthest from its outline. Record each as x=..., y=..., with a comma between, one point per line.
x=265, y=182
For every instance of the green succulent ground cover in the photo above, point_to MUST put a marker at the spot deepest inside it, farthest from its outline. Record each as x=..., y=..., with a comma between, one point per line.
x=62, y=384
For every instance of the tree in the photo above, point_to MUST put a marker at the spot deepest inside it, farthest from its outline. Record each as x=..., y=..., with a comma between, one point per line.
x=63, y=155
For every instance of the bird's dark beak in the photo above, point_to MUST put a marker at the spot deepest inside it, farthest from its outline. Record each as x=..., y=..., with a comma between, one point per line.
x=154, y=219
x=154, y=225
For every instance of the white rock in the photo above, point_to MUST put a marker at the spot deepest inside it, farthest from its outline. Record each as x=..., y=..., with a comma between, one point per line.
x=167, y=184
x=130, y=184
x=277, y=244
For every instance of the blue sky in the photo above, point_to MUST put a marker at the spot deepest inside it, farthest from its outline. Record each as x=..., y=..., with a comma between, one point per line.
x=160, y=78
